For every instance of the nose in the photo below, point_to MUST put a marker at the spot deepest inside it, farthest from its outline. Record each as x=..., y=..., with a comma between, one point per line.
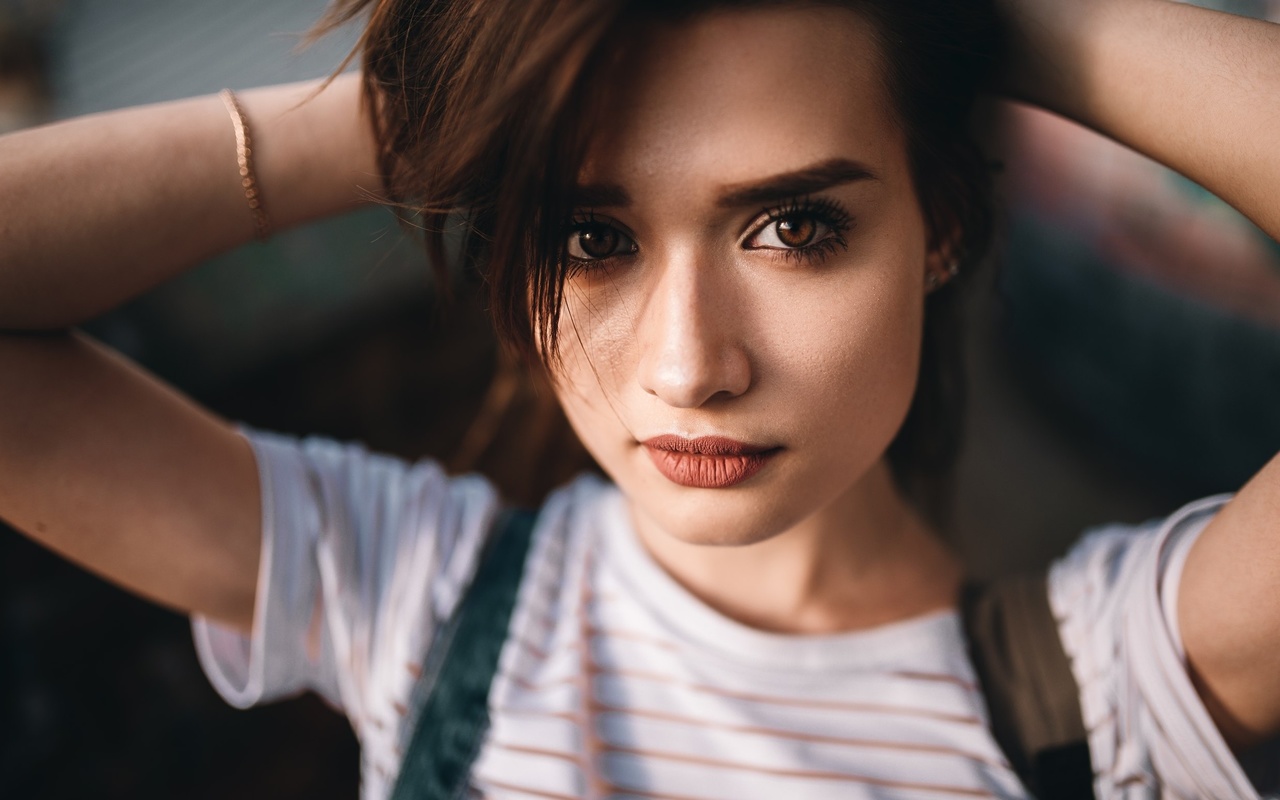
x=689, y=334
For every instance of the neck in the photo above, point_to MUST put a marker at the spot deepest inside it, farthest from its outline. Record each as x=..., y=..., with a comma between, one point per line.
x=865, y=559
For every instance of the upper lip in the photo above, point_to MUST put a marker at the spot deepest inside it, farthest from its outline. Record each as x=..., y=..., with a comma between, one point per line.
x=704, y=445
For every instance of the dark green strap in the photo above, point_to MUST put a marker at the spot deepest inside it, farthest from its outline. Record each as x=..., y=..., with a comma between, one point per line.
x=1014, y=644
x=460, y=667
x=1031, y=693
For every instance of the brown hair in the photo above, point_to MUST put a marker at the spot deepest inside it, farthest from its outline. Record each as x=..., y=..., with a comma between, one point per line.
x=479, y=109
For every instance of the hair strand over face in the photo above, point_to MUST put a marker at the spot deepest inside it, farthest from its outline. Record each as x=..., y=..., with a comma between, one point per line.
x=482, y=109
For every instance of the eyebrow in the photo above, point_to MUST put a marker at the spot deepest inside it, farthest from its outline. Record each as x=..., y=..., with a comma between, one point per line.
x=815, y=178
x=807, y=180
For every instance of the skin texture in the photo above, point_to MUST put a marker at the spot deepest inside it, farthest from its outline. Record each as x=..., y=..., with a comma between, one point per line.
x=693, y=335
x=101, y=462
x=152, y=193
x=710, y=327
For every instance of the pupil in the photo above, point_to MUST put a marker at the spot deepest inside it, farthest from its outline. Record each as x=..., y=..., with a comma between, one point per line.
x=795, y=231
x=598, y=242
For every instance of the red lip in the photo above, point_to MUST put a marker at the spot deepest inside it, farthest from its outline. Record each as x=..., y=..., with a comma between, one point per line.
x=707, y=462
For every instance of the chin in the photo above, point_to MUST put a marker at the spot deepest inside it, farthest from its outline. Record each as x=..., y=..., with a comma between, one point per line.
x=718, y=517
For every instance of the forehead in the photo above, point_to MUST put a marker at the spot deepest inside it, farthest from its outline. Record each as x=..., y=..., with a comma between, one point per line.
x=736, y=93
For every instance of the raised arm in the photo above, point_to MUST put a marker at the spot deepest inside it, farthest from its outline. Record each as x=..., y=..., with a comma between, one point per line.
x=98, y=209
x=98, y=460
x=1195, y=89
x=1199, y=91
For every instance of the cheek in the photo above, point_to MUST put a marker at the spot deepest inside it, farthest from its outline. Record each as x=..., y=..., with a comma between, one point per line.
x=847, y=357
x=594, y=341
x=834, y=356
x=594, y=336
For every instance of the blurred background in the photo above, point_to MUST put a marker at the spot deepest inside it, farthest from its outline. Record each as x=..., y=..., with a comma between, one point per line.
x=1124, y=359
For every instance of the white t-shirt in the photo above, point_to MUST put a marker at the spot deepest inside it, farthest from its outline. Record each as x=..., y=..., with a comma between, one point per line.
x=363, y=556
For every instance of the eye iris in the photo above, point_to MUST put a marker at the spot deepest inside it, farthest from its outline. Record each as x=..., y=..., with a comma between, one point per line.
x=598, y=242
x=796, y=231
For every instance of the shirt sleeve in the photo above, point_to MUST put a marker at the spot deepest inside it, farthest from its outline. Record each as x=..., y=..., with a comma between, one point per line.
x=1115, y=597
x=362, y=555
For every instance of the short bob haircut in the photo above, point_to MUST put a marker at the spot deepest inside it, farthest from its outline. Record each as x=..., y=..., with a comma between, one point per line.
x=482, y=110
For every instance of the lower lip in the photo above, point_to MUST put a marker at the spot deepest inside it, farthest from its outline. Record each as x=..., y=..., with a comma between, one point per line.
x=708, y=472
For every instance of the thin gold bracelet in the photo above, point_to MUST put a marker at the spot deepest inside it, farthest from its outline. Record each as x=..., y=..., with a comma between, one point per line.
x=244, y=158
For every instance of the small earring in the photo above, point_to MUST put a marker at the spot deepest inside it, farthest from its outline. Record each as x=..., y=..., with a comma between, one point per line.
x=935, y=278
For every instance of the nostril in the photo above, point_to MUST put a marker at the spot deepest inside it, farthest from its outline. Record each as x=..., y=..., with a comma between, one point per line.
x=691, y=351
x=689, y=377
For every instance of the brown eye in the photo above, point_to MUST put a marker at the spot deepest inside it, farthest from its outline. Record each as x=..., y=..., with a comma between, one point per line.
x=795, y=231
x=806, y=230
x=791, y=232
x=596, y=242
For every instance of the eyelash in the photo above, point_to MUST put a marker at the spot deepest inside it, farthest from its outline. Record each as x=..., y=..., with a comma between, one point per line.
x=821, y=210
x=581, y=221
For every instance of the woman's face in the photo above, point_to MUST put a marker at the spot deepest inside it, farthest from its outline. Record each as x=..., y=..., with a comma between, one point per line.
x=751, y=263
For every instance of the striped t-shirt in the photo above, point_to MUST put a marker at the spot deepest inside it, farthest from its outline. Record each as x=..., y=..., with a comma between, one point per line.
x=615, y=676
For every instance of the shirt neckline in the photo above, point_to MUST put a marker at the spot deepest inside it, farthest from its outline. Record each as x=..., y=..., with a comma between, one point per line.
x=927, y=638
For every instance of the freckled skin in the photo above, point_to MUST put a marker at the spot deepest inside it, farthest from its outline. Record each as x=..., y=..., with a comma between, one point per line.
x=695, y=334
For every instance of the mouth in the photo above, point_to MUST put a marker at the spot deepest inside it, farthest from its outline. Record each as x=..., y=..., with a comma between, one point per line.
x=707, y=462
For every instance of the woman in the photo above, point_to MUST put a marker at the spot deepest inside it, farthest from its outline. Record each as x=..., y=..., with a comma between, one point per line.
x=728, y=232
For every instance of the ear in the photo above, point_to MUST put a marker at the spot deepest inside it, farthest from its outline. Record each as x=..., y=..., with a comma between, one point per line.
x=942, y=263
